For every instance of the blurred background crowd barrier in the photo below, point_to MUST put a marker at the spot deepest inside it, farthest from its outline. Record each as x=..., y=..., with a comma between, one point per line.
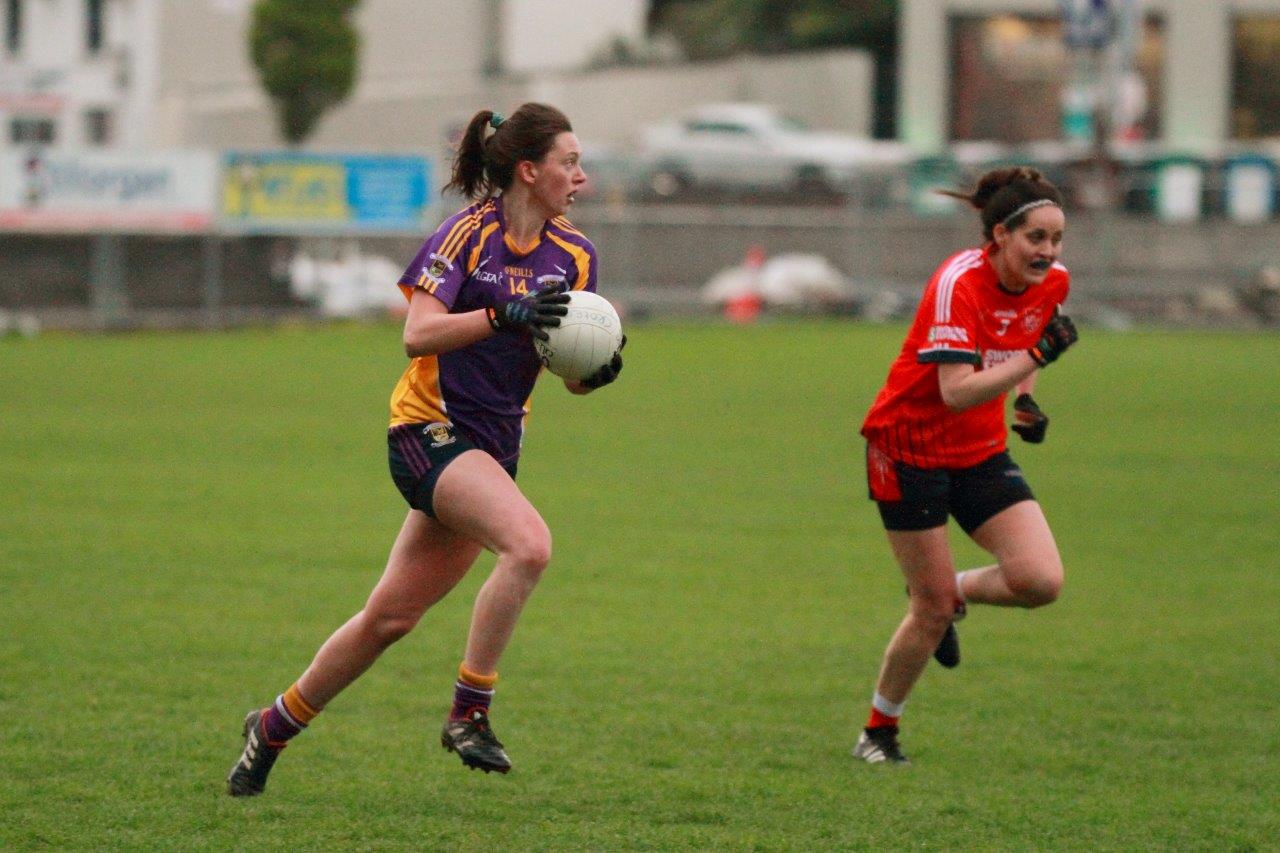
x=162, y=163
x=196, y=238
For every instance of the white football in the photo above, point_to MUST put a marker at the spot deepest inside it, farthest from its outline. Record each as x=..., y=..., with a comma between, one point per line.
x=585, y=340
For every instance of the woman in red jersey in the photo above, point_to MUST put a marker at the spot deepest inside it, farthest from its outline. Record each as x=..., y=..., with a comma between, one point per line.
x=988, y=322
x=489, y=280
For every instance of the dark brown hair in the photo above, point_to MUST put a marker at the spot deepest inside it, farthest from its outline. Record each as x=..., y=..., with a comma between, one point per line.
x=1001, y=192
x=486, y=165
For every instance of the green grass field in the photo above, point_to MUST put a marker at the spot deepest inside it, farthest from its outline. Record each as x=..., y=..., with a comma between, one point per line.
x=185, y=517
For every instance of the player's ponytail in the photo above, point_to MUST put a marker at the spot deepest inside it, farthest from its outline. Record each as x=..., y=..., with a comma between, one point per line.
x=486, y=162
x=468, y=166
x=1006, y=196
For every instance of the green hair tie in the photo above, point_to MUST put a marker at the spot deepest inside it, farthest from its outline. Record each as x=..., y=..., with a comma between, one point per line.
x=496, y=119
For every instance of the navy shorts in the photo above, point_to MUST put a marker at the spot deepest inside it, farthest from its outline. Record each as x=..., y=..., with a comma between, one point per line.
x=418, y=454
x=912, y=498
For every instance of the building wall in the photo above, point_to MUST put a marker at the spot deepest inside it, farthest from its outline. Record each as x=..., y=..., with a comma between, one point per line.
x=422, y=68
x=542, y=36
x=54, y=75
x=422, y=77
x=1197, y=84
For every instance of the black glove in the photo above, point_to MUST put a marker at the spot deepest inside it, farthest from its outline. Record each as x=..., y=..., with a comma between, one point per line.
x=608, y=372
x=532, y=313
x=1028, y=421
x=1058, y=335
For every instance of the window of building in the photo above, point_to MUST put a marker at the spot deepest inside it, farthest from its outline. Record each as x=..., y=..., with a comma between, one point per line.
x=94, y=27
x=1255, y=98
x=27, y=129
x=13, y=26
x=99, y=127
x=1008, y=74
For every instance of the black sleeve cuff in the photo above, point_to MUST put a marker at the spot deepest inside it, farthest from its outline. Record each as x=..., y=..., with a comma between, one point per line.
x=949, y=356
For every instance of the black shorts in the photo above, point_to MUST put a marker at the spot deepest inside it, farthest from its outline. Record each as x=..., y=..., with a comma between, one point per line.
x=418, y=455
x=912, y=498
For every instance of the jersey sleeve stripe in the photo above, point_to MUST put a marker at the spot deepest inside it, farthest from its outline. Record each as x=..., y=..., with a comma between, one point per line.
x=459, y=235
x=580, y=257
x=959, y=265
x=464, y=223
x=565, y=225
x=475, y=253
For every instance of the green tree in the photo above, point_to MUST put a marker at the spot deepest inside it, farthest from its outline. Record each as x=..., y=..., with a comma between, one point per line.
x=712, y=29
x=306, y=53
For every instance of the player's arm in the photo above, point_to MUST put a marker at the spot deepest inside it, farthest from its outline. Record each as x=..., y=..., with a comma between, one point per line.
x=430, y=329
x=963, y=386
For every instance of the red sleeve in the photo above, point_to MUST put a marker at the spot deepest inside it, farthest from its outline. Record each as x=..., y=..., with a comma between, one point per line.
x=952, y=333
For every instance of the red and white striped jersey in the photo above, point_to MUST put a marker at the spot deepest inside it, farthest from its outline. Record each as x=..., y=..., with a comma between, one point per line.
x=965, y=317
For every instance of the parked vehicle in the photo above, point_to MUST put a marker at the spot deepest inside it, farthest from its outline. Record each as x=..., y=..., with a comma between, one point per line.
x=753, y=147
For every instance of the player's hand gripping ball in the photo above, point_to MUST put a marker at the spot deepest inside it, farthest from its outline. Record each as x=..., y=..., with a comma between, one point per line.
x=534, y=313
x=587, y=340
x=609, y=372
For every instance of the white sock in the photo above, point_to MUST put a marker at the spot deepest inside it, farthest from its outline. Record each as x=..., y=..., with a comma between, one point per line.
x=884, y=706
x=960, y=585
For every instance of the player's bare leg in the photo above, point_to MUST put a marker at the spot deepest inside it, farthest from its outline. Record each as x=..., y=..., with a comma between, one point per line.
x=426, y=561
x=927, y=563
x=477, y=498
x=1028, y=570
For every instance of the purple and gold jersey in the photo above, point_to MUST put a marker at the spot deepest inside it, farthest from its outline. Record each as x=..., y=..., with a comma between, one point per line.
x=469, y=263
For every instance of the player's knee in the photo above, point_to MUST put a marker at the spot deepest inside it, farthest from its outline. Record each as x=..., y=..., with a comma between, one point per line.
x=1039, y=586
x=530, y=551
x=387, y=628
x=933, y=613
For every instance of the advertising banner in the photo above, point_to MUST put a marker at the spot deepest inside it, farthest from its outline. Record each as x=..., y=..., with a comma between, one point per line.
x=321, y=192
x=44, y=189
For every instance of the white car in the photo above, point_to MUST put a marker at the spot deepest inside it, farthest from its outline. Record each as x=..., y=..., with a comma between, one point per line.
x=754, y=147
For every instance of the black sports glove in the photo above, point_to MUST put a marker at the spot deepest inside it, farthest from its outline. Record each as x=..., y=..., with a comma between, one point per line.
x=1058, y=335
x=532, y=313
x=608, y=372
x=1028, y=421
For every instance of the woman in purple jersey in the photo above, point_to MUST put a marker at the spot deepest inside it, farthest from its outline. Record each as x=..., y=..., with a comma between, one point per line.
x=483, y=285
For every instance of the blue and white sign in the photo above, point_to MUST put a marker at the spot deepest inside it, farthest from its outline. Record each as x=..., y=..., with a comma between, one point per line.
x=107, y=190
x=325, y=192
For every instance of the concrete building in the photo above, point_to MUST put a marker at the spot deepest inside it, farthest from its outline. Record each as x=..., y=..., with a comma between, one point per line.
x=78, y=73
x=427, y=65
x=176, y=73
x=1199, y=90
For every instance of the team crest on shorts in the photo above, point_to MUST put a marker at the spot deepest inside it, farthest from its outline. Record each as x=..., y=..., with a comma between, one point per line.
x=440, y=435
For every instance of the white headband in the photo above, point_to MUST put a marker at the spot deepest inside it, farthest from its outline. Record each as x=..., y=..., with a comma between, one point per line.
x=1031, y=205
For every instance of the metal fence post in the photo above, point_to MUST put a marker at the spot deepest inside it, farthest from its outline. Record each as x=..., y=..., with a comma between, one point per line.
x=110, y=301
x=211, y=247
